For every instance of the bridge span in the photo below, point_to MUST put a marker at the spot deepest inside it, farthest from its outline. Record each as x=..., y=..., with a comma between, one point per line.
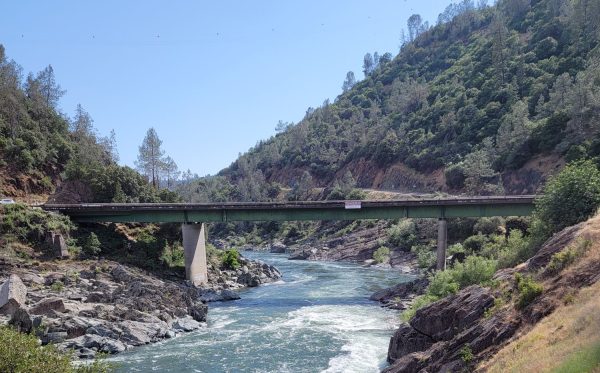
x=193, y=216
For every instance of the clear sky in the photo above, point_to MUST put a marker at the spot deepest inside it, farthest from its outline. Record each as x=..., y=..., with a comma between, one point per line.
x=212, y=78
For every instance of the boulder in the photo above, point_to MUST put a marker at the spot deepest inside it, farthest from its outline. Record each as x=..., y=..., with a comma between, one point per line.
x=13, y=293
x=185, y=324
x=278, y=247
x=199, y=311
x=120, y=274
x=47, y=305
x=60, y=246
x=21, y=320
x=112, y=346
x=218, y=296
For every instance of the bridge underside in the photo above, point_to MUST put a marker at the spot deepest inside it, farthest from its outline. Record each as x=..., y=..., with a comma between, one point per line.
x=193, y=217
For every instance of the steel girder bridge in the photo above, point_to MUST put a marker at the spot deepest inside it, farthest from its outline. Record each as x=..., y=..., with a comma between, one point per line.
x=193, y=216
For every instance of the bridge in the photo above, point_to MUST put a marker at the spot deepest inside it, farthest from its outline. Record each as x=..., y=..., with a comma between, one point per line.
x=193, y=216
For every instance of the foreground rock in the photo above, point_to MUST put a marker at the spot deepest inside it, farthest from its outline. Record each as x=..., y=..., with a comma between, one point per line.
x=13, y=294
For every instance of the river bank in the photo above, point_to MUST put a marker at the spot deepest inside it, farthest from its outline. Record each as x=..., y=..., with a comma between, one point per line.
x=104, y=306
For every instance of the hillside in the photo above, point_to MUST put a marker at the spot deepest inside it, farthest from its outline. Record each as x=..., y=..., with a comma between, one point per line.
x=492, y=99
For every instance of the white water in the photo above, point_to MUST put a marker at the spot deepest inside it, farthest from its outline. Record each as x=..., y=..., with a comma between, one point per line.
x=317, y=319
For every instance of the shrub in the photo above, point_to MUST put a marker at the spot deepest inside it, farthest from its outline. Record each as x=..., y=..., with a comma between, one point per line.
x=231, y=259
x=528, y=290
x=403, y=234
x=492, y=225
x=442, y=283
x=382, y=255
x=474, y=270
x=566, y=257
x=474, y=244
x=418, y=303
x=91, y=245
x=570, y=197
x=426, y=257
x=514, y=250
x=21, y=353
x=466, y=354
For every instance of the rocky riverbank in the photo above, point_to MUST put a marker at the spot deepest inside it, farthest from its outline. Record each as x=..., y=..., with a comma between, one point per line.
x=462, y=332
x=103, y=306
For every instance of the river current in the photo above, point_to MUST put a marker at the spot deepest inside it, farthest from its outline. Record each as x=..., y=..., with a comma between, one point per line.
x=316, y=319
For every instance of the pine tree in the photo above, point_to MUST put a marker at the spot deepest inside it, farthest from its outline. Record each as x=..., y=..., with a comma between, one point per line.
x=150, y=158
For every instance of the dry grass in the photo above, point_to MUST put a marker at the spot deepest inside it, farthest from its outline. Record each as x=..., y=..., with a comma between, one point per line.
x=554, y=340
x=568, y=340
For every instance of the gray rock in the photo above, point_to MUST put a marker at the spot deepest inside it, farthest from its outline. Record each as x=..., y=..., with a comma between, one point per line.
x=170, y=334
x=54, y=337
x=447, y=317
x=198, y=312
x=185, y=324
x=60, y=246
x=120, y=274
x=47, y=305
x=21, y=320
x=278, y=247
x=218, y=296
x=53, y=277
x=406, y=340
x=102, y=331
x=112, y=346
x=13, y=293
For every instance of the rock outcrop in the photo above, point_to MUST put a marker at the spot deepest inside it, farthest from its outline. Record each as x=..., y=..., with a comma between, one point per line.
x=458, y=332
x=13, y=294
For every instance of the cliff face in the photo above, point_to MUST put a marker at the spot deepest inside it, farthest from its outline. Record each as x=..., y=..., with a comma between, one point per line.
x=466, y=330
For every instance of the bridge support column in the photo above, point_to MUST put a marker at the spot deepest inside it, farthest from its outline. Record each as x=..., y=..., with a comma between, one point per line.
x=194, y=248
x=442, y=244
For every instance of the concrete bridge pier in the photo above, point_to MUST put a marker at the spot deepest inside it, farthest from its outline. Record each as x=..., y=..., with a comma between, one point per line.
x=442, y=244
x=194, y=248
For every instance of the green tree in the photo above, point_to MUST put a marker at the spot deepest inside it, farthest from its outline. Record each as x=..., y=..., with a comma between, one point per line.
x=150, y=157
x=349, y=82
x=568, y=198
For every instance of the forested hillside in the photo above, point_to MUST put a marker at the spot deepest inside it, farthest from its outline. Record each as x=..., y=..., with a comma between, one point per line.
x=490, y=100
x=42, y=148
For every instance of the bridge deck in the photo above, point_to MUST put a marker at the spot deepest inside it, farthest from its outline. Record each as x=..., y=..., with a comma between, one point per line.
x=305, y=210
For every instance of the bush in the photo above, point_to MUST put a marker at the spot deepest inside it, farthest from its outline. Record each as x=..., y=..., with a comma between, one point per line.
x=403, y=234
x=91, y=245
x=474, y=270
x=475, y=244
x=566, y=257
x=528, y=290
x=426, y=255
x=512, y=250
x=231, y=259
x=570, y=197
x=382, y=255
x=442, y=284
x=492, y=225
x=20, y=353
x=28, y=225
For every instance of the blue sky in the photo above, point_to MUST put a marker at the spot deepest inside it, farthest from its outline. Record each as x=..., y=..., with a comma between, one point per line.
x=212, y=78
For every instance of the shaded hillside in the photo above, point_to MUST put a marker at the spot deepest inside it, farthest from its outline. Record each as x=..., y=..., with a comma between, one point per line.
x=490, y=100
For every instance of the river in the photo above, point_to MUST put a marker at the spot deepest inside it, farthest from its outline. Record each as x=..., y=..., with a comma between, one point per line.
x=316, y=319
